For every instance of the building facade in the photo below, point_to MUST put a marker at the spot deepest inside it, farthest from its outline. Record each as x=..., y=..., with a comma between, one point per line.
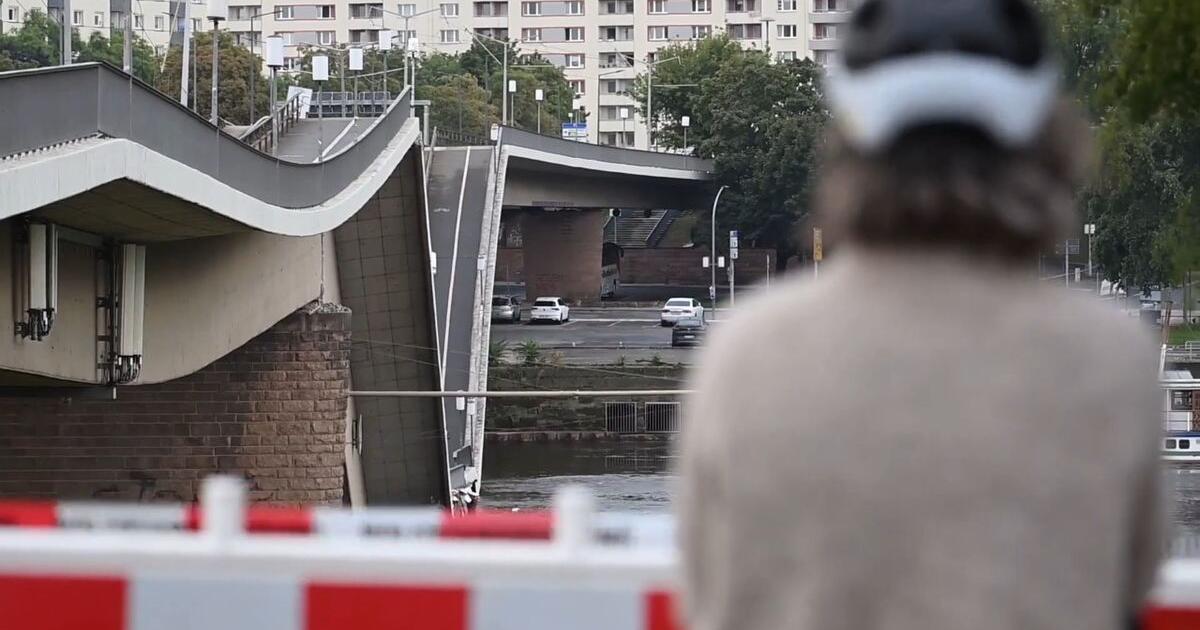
x=602, y=45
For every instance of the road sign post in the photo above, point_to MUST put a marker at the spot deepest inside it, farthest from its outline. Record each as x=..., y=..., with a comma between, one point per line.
x=733, y=254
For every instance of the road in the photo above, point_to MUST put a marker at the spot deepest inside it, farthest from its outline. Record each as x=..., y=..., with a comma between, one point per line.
x=603, y=336
x=327, y=136
x=457, y=191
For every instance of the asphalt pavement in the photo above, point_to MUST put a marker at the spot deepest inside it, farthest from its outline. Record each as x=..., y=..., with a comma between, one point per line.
x=324, y=136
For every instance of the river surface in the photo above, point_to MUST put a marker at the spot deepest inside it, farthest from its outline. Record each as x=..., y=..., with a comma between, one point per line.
x=636, y=477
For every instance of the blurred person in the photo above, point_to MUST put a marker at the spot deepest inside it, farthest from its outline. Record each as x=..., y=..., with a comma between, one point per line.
x=928, y=437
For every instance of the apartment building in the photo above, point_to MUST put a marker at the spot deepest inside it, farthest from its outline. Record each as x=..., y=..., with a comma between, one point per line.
x=602, y=45
x=159, y=22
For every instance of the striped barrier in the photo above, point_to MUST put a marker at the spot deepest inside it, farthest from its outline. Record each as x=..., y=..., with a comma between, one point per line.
x=223, y=565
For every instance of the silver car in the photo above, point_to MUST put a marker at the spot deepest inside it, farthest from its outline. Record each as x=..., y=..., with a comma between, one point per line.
x=506, y=308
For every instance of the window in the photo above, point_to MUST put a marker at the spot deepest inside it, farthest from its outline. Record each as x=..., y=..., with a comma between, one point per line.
x=786, y=6
x=740, y=6
x=657, y=33
x=160, y=50
x=408, y=10
x=579, y=86
x=658, y=6
x=286, y=13
x=449, y=10
x=449, y=36
x=575, y=34
x=1169, y=444
x=616, y=33
x=139, y=21
x=159, y=21
x=824, y=31
x=97, y=19
x=823, y=57
x=574, y=7
x=787, y=31
x=745, y=31
x=326, y=12
x=701, y=6
x=702, y=31
x=821, y=6
x=1185, y=444
x=617, y=6
x=325, y=38
x=785, y=55
x=531, y=34
x=286, y=36
x=12, y=14
x=574, y=61
x=616, y=86
x=195, y=25
x=617, y=138
x=77, y=17
x=292, y=63
x=531, y=8
x=1181, y=400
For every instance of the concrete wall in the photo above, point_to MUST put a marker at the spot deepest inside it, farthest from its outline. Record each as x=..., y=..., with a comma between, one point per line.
x=272, y=410
x=563, y=253
x=204, y=297
x=543, y=187
x=684, y=266
x=528, y=414
x=671, y=266
x=383, y=267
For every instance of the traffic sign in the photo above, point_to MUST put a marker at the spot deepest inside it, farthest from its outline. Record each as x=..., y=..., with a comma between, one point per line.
x=818, y=254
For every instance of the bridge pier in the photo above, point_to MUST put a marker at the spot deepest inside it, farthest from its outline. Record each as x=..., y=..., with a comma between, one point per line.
x=562, y=253
x=272, y=410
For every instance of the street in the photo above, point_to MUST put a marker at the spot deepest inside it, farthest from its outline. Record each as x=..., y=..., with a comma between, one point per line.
x=602, y=336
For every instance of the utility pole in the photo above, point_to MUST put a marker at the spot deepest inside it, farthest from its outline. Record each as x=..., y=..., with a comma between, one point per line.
x=504, y=83
x=712, y=287
x=127, y=52
x=185, y=56
x=217, y=11
x=66, y=33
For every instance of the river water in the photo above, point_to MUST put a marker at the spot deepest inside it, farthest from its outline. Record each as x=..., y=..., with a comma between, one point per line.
x=636, y=477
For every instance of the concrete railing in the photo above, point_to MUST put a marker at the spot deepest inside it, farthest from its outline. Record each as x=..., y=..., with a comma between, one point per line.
x=50, y=106
x=602, y=153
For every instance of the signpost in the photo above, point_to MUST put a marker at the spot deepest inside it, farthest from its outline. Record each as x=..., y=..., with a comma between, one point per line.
x=577, y=131
x=818, y=253
x=733, y=254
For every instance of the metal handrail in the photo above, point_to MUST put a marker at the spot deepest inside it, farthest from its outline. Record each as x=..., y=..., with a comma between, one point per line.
x=260, y=136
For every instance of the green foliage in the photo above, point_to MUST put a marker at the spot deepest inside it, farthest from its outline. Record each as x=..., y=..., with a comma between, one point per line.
x=236, y=65
x=497, y=352
x=529, y=352
x=38, y=44
x=760, y=122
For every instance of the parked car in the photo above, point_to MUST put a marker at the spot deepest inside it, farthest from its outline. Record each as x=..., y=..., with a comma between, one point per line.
x=688, y=332
x=681, y=308
x=550, y=309
x=506, y=308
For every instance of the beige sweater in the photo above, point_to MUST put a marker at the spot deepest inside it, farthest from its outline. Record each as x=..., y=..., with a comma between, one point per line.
x=921, y=442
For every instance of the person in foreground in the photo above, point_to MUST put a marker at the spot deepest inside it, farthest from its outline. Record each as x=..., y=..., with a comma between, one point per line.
x=928, y=437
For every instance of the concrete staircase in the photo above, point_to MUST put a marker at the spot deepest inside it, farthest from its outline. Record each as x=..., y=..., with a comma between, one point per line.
x=633, y=228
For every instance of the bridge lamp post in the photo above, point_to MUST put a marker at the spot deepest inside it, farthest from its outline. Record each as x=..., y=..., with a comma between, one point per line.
x=356, y=66
x=538, y=94
x=685, y=122
x=274, y=51
x=624, y=117
x=320, y=74
x=408, y=40
x=512, y=94
x=712, y=252
x=217, y=10
x=252, y=40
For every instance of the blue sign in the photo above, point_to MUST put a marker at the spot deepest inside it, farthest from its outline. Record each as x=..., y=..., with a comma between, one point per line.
x=574, y=131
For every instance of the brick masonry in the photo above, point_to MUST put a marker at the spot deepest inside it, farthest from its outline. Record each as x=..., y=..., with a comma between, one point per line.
x=563, y=253
x=272, y=411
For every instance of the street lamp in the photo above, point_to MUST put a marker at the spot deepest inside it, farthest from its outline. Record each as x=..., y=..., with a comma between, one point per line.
x=538, y=94
x=408, y=40
x=217, y=10
x=624, y=117
x=512, y=94
x=386, y=35
x=356, y=66
x=712, y=263
x=320, y=74
x=274, y=52
x=253, y=39
x=685, y=122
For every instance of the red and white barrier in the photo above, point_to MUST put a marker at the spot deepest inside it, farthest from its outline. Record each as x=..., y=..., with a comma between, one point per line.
x=65, y=566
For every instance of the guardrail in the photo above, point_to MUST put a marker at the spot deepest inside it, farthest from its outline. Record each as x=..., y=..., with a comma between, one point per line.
x=49, y=106
x=574, y=568
x=265, y=133
x=602, y=153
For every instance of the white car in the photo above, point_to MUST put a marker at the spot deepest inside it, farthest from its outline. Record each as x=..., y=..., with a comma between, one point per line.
x=550, y=309
x=681, y=308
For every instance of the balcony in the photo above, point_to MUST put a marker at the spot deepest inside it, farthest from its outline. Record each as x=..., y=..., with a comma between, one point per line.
x=829, y=17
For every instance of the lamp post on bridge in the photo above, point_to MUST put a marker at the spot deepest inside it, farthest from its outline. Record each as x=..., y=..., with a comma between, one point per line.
x=217, y=10
x=274, y=53
x=254, y=71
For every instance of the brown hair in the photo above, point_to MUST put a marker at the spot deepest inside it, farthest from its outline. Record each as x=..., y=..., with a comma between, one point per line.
x=952, y=187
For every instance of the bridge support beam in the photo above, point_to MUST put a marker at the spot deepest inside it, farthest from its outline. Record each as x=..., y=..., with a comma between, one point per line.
x=563, y=253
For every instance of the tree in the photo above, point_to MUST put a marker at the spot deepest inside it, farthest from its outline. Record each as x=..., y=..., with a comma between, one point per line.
x=461, y=105
x=37, y=44
x=760, y=122
x=236, y=64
